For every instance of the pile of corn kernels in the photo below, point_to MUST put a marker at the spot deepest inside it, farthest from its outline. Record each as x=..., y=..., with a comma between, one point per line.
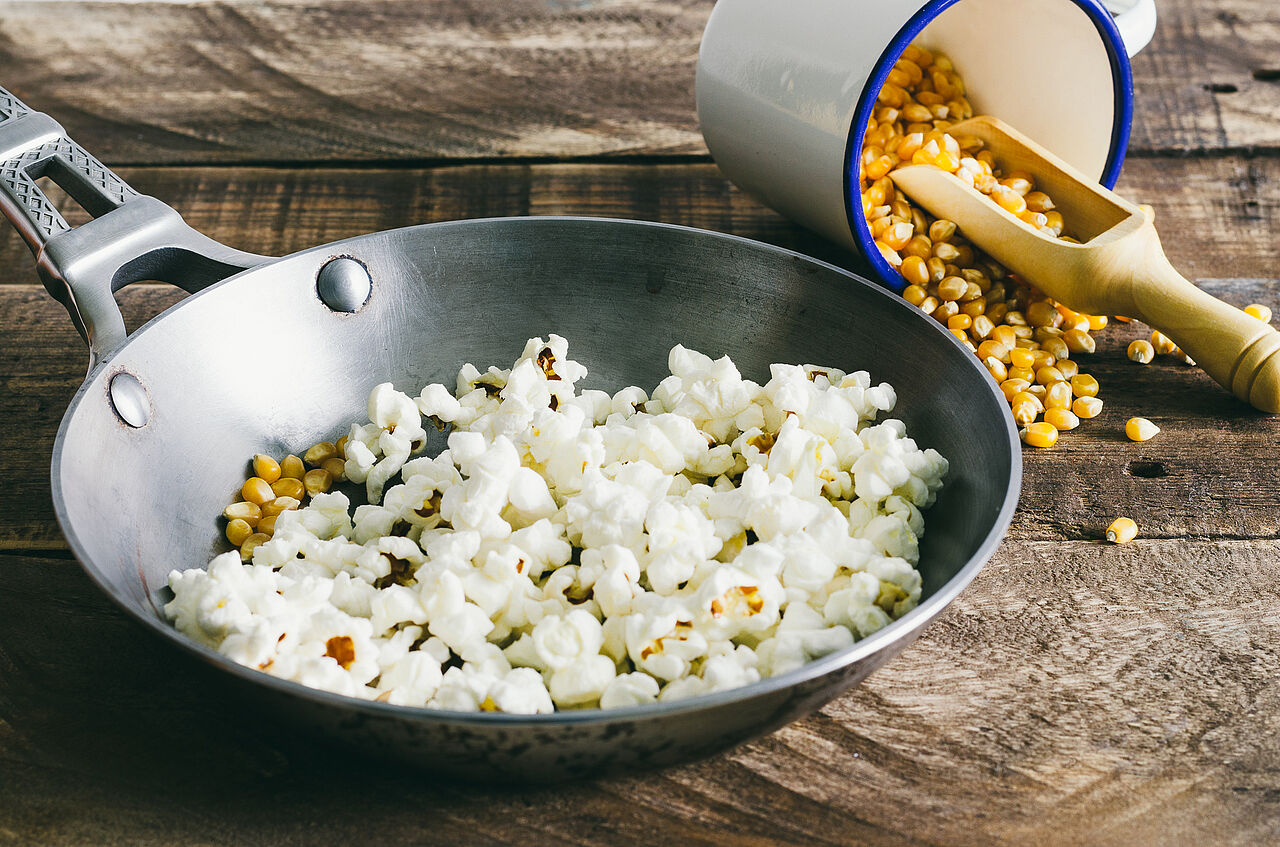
x=277, y=487
x=1024, y=338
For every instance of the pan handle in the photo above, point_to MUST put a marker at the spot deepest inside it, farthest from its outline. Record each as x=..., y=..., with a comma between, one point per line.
x=132, y=237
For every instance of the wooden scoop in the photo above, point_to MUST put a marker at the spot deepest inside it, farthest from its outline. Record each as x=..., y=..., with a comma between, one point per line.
x=1120, y=269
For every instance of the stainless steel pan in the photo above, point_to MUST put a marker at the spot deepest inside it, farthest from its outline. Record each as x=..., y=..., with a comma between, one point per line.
x=281, y=353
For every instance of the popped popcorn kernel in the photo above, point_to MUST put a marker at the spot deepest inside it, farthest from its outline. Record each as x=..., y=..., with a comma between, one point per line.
x=576, y=549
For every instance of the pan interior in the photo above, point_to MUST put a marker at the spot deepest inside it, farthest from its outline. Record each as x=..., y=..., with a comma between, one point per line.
x=259, y=364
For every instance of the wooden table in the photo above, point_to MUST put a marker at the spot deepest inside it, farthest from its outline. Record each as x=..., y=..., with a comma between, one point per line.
x=1076, y=693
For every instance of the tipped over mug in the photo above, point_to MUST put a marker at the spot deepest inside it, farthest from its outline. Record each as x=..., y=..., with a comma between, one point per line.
x=786, y=88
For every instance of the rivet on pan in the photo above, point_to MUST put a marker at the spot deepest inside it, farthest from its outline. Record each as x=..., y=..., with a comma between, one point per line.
x=129, y=399
x=343, y=284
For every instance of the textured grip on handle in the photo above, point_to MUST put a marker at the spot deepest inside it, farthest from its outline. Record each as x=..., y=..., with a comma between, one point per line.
x=131, y=237
x=34, y=145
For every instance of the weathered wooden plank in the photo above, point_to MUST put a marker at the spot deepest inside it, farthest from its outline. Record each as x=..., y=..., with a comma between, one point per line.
x=1210, y=78
x=392, y=79
x=1217, y=217
x=1077, y=692
x=1211, y=473
x=319, y=80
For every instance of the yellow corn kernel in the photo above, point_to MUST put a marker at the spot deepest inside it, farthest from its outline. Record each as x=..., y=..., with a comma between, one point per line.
x=1024, y=412
x=1003, y=334
x=974, y=308
x=1140, y=429
x=895, y=237
x=1084, y=385
x=336, y=468
x=928, y=304
x=318, y=481
x=993, y=348
x=937, y=269
x=914, y=294
x=341, y=446
x=982, y=327
x=996, y=368
x=245, y=511
x=1086, y=407
x=268, y=525
x=942, y=230
x=1040, y=434
x=1162, y=343
x=959, y=322
x=1038, y=201
x=252, y=543
x=1068, y=367
x=1056, y=347
x=256, y=490
x=237, y=531
x=1008, y=199
x=908, y=146
x=1020, y=181
x=278, y=505
x=952, y=287
x=919, y=246
x=265, y=467
x=1012, y=387
x=1042, y=313
x=317, y=453
x=1061, y=419
x=1259, y=311
x=1097, y=322
x=1141, y=351
x=1026, y=374
x=291, y=467
x=916, y=272
x=288, y=487
x=878, y=168
x=946, y=310
x=1079, y=341
x=946, y=251
x=1028, y=396
x=1058, y=396
x=890, y=255
x=1041, y=358
x=1021, y=357
x=1048, y=375
x=1122, y=531
x=1039, y=392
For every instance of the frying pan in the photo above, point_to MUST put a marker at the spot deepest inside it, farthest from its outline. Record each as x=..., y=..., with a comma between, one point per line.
x=272, y=355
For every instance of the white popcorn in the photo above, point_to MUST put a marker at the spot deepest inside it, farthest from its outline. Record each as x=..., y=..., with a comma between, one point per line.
x=573, y=549
x=629, y=689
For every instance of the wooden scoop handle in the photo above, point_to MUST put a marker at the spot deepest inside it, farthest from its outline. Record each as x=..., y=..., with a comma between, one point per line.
x=1239, y=351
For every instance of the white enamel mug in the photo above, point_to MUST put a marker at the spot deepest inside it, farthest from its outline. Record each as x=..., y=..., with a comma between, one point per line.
x=785, y=89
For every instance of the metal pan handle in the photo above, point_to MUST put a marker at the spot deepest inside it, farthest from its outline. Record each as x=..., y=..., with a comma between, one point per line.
x=132, y=237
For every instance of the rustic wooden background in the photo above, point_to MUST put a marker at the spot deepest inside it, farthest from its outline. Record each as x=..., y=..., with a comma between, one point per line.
x=1077, y=693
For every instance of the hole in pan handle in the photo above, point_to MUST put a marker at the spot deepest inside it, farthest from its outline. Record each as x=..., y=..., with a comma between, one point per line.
x=132, y=237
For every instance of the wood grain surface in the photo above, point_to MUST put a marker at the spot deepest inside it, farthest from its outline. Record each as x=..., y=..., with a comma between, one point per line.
x=384, y=80
x=1078, y=693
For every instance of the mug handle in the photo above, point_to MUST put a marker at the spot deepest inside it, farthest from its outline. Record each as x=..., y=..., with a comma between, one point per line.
x=131, y=238
x=1136, y=20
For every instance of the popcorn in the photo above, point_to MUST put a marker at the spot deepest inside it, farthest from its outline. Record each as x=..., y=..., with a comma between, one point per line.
x=574, y=549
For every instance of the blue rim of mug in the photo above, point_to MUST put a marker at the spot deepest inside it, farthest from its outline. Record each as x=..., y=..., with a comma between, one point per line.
x=1121, y=75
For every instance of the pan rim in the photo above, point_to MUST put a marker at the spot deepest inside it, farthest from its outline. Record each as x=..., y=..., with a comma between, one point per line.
x=902, y=630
